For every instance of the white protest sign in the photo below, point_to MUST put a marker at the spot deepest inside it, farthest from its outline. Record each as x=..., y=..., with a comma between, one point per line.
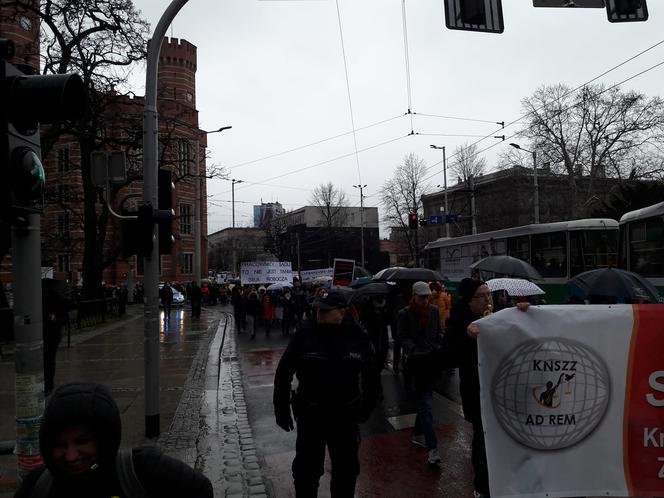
x=265, y=272
x=573, y=400
x=311, y=275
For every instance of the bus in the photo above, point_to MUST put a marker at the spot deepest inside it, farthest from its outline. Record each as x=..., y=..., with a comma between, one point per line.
x=557, y=250
x=642, y=243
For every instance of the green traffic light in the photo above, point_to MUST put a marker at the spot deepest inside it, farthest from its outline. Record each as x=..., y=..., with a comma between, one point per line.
x=30, y=175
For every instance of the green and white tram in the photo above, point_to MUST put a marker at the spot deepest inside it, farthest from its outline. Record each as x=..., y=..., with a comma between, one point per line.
x=557, y=250
x=642, y=243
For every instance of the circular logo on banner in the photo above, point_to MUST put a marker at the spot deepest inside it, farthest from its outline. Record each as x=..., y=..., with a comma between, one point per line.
x=550, y=393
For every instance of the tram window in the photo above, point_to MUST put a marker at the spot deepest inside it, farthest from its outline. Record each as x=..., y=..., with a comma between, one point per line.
x=592, y=249
x=646, y=251
x=549, y=254
x=519, y=247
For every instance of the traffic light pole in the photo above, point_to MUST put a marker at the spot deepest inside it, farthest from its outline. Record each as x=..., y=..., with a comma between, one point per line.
x=151, y=276
x=28, y=361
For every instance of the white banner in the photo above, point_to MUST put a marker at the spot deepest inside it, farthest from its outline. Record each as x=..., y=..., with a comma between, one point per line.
x=311, y=275
x=573, y=400
x=265, y=272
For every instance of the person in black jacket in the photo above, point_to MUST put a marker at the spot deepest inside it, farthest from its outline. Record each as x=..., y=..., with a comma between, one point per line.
x=338, y=386
x=196, y=298
x=79, y=441
x=474, y=301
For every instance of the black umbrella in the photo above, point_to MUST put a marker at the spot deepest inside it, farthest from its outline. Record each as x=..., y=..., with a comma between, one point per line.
x=397, y=273
x=508, y=266
x=613, y=285
x=374, y=289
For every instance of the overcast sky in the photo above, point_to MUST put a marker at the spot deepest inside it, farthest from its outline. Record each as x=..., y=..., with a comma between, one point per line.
x=274, y=70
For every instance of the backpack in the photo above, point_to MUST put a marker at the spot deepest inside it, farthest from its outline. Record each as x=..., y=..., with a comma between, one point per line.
x=124, y=465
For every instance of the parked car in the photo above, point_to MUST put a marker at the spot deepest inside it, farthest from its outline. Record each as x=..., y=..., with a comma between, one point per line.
x=178, y=297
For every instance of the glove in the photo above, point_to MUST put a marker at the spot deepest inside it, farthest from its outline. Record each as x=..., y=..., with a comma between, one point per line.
x=285, y=422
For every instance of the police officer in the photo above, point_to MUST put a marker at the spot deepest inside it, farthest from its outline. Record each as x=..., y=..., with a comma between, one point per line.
x=338, y=385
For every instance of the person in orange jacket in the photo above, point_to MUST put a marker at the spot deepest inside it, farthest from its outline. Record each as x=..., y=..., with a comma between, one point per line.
x=441, y=300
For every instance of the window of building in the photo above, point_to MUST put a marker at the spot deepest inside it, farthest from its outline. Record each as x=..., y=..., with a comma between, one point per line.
x=185, y=219
x=188, y=262
x=184, y=157
x=63, y=224
x=63, y=263
x=63, y=159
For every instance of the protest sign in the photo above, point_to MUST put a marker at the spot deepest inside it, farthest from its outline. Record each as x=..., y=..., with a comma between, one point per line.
x=573, y=400
x=311, y=275
x=265, y=272
x=343, y=271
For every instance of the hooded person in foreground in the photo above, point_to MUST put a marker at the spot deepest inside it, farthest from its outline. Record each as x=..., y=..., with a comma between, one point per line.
x=79, y=440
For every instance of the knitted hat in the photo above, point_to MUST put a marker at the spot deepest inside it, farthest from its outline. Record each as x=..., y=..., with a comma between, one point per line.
x=421, y=289
x=467, y=288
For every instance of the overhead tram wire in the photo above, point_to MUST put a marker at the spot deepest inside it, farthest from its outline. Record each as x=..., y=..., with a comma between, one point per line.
x=318, y=142
x=350, y=100
x=407, y=63
x=327, y=161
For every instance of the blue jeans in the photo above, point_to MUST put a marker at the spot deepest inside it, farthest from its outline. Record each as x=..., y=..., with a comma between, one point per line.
x=424, y=419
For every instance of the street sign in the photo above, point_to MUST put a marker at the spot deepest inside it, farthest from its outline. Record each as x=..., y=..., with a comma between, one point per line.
x=474, y=15
x=441, y=219
x=592, y=4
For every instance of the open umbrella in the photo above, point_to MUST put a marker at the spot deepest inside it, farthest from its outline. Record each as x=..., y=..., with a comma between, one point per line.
x=397, y=274
x=613, y=284
x=508, y=266
x=515, y=286
x=374, y=289
x=279, y=286
x=360, y=282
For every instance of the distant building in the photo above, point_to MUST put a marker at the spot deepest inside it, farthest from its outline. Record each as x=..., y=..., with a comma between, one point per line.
x=266, y=212
x=309, y=241
x=229, y=247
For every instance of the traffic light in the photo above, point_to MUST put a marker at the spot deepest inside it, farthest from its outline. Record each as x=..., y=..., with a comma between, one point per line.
x=165, y=214
x=412, y=221
x=626, y=10
x=27, y=102
x=137, y=233
x=474, y=15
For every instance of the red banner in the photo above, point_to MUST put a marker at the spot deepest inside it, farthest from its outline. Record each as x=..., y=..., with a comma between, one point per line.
x=644, y=405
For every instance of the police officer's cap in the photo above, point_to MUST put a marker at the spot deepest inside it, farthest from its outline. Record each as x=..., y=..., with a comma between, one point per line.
x=331, y=300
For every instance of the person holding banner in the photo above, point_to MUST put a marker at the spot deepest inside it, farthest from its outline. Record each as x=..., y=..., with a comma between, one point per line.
x=460, y=343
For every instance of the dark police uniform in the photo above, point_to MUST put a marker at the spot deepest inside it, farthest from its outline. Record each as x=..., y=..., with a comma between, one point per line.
x=338, y=387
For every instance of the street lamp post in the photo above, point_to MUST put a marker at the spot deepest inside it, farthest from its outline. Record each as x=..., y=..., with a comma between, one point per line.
x=361, y=187
x=233, y=182
x=535, y=185
x=197, y=205
x=447, y=225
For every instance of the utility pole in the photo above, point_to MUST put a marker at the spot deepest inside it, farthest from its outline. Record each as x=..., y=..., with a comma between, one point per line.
x=233, y=182
x=151, y=275
x=471, y=179
x=361, y=187
x=447, y=212
x=536, y=215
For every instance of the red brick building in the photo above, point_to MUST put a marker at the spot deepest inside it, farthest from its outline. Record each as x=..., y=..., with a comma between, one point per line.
x=62, y=228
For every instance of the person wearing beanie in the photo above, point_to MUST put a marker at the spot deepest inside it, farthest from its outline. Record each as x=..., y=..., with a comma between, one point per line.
x=419, y=334
x=474, y=301
x=79, y=440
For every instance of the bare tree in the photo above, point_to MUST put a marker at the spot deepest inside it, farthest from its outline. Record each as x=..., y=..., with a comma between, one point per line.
x=466, y=162
x=401, y=195
x=595, y=132
x=332, y=203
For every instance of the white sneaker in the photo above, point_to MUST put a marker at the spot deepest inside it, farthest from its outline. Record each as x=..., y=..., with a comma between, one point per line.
x=419, y=441
x=434, y=456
